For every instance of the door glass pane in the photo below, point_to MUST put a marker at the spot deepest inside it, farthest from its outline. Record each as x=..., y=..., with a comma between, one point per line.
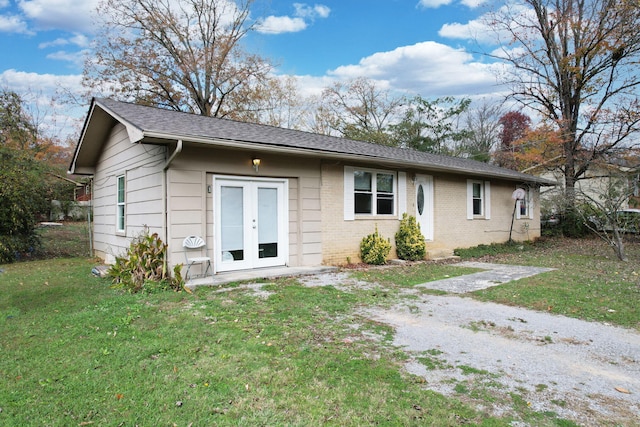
x=231, y=223
x=267, y=222
x=420, y=199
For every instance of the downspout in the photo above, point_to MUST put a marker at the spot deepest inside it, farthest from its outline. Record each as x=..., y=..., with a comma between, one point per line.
x=173, y=155
x=165, y=186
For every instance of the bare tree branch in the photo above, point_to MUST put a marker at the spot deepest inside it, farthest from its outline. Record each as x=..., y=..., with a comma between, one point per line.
x=184, y=55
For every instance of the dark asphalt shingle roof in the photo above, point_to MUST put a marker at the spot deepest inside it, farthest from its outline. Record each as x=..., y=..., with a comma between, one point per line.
x=151, y=120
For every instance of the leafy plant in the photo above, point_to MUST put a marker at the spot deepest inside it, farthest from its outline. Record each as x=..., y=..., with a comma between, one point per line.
x=144, y=268
x=374, y=249
x=409, y=240
x=22, y=199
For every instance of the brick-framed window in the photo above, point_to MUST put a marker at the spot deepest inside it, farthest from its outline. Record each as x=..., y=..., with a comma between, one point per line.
x=370, y=193
x=478, y=199
x=524, y=207
x=374, y=192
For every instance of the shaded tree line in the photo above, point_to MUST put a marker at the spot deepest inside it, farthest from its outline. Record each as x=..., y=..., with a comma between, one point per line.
x=30, y=163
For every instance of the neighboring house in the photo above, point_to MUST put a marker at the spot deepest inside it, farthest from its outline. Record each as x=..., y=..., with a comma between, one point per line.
x=264, y=196
x=594, y=184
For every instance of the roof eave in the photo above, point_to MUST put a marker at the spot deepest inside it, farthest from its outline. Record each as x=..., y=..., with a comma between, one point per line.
x=135, y=135
x=251, y=146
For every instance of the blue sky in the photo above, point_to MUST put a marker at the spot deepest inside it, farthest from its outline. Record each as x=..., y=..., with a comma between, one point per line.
x=414, y=46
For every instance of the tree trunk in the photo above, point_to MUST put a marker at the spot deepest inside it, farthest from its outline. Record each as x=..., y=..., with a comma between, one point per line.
x=618, y=245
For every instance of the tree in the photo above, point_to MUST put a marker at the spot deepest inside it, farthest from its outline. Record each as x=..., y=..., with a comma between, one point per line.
x=514, y=127
x=359, y=110
x=184, y=55
x=23, y=196
x=275, y=103
x=574, y=62
x=539, y=148
x=16, y=128
x=432, y=126
x=602, y=216
x=20, y=129
x=28, y=163
x=483, y=128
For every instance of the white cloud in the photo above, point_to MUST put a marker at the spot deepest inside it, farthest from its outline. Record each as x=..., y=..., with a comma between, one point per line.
x=21, y=81
x=67, y=15
x=4, y=3
x=40, y=92
x=75, y=58
x=433, y=4
x=79, y=40
x=476, y=30
x=281, y=24
x=311, y=12
x=13, y=24
x=472, y=4
x=482, y=30
x=427, y=68
x=303, y=14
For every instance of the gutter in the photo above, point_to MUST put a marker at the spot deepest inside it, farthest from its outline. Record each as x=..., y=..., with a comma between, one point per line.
x=343, y=156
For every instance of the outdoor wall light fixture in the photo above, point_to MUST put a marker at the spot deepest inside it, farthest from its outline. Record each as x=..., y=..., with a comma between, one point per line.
x=256, y=164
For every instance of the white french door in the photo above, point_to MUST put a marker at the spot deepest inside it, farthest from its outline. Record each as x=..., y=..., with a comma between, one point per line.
x=424, y=205
x=251, y=219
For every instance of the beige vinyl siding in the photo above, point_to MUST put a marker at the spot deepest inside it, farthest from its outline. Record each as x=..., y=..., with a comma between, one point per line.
x=187, y=213
x=191, y=209
x=142, y=169
x=311, y=224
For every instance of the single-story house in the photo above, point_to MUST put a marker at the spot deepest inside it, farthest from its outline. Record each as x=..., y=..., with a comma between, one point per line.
x=593, y=185
x=264, y=196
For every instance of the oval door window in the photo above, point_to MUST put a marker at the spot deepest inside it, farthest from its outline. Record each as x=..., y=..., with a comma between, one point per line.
x=420, y=199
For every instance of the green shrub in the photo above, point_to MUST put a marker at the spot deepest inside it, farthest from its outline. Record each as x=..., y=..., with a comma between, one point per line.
x=144, y=268
x=374, y=249
x=410, y=243
x=18, y=247
x=22, y=198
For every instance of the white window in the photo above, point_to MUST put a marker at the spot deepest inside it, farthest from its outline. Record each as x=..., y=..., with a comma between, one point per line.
x=524, y=207
x=478, y=199
x=373, y=192
x=120, y=203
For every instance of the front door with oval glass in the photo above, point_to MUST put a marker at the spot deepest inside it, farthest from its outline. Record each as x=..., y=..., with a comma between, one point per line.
x=250, y=223
x=424, y=204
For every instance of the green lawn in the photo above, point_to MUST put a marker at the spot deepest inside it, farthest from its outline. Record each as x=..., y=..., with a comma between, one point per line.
x=76, y=352
x=589, y=282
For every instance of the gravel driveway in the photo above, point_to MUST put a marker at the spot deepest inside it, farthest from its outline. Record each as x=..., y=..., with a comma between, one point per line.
x=584, y=371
